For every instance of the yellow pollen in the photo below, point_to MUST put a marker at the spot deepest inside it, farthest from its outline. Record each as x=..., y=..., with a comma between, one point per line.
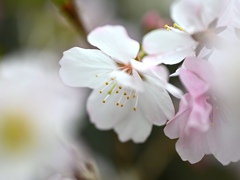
x=134, y=96
x=120, y=87
x=125, y=94
x=100, y=91
x=175, y=25
x=117, y=103
x=106, y=83
x=117, y=92
x=167, y=27
x=134, y=108
x=112, y=88
x=128, y=97
x=104, y=101
x=121, y=105
x=112, y=78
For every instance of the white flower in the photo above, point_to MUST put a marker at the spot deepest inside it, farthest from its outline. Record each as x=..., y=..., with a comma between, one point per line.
x=128, y=95
x=36, y=109
x=196, y=27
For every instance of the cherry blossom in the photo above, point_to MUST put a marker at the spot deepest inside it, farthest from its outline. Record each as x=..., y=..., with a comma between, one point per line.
x=207, y=120
x=196, y=27
x=36, y=110
x=128, y=95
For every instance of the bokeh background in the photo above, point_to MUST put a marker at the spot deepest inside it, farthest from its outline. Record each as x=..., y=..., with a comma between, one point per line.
x=55, y=26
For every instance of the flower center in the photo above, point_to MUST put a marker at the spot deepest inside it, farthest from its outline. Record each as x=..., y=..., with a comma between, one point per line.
x=16, y=133
x=112, y=88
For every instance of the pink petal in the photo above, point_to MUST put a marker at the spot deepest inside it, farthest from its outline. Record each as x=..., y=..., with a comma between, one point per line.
x=115, y=42
x=192, y=147
x=194, y=85
x=176, y=126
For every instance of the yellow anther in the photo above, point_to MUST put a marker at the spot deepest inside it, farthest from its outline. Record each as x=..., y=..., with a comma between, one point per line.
x=104, y=101
x=125, y=94
x=128, y=97
x=121, y=105
x=167, y=27
x=175, y=25
x=134, y=108
x=134, y=96
x=112, y=78
x=100, y=91
x=106, y=83
x=120, y=87
x=96, y=75
x=117, y=104
x=117, y=91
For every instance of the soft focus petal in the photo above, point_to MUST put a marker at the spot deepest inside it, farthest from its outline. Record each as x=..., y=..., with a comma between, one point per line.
x=188, y=15
x=192, y=147
x=115, y=42
x=176, y=126
x=201, y=68
x=194, y=85
x=79, y=67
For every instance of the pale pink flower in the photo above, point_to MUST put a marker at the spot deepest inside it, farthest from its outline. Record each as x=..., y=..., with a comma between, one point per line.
x=196, y=27
x=207, y=123
x=129, y=96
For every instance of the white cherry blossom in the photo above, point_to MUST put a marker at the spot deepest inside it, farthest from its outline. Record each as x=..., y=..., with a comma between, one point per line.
x=128, y=95
x=36, y=111
x=196, y=27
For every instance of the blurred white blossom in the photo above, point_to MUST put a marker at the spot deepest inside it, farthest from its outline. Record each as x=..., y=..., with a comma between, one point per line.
x=36, y=111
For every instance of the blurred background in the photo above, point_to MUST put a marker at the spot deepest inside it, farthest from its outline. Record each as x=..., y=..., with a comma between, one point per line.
x=57, y=25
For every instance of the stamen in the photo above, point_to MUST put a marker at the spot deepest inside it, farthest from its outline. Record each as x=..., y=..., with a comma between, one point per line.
x=107, y=82
x=102, y=89
x=135, y=107
x=120, y=99
x=175, y=25
x=128, y=97
x=112, y=89
x=104, y=101
x=123, y=103
x=97, y=75
x=167, y=27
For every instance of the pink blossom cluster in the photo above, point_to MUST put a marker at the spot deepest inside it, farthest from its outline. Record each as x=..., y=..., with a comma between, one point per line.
x=131, y=86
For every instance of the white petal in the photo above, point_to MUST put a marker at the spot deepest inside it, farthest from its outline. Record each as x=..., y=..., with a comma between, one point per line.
x=176, y=92
x=106, y=115
x=135, y=128
x=133, y=81
x=115, y=42
x=79, y=67
x=168, y=47
x=188, y=14
x=155, y=103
